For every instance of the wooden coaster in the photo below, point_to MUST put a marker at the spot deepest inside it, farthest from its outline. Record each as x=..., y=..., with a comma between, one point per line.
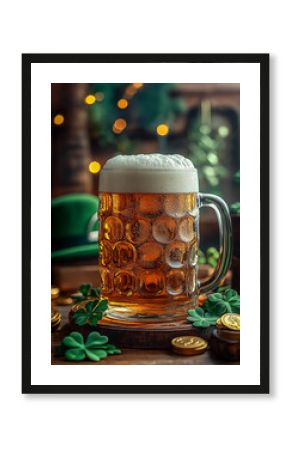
x=153, y=335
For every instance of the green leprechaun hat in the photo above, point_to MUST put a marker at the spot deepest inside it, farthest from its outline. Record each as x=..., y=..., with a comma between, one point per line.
x=74, y=227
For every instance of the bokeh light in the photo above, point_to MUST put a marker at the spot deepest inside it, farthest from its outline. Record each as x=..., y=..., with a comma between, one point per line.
x=162, y=129
x=223, y=131
x=58, y=119
x=94, y=167
x=137, y=85
x=119, y=125
x=99, y=96
x=130, y=91
x=122, y=103
x=90, y=99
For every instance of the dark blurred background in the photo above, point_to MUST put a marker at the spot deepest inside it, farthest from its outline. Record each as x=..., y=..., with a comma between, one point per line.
x=93, y=122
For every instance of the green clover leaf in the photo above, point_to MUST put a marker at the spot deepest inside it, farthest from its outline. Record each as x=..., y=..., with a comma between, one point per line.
x=220, y=304
x=80, y=317
x=210, y=257
x=95, y=354
x=201, y=257
x=95, y=292
x=95, y=348
x=75, y=340
x=95, y=339
x=217, y=304
x=85, y=289
x=199, y=318
x=195, y=314
x=75, y=354
x=85, y=292
x=92, y=313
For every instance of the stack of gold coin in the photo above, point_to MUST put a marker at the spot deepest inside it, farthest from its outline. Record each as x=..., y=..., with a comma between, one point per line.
x=55, y=319
x=228, y=326
x=188, y=345
x=64, y=301
x=54, y=292
x=59, y=299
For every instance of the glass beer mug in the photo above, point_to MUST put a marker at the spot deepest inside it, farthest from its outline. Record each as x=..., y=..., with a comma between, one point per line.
x=149, y=238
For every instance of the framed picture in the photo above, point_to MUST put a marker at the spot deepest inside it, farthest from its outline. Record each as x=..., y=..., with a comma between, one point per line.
x=145, y=223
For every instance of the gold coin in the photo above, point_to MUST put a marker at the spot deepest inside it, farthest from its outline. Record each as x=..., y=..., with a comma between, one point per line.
x=57, y=320
x=188, y=342
x=63, y=301
x=219, y=324
x=55, y=315
x=231, y=321
x=188, y=345
x=54, y=326
x=54, y=292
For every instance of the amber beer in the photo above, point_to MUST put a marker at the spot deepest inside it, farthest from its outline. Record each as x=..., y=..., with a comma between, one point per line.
x=148, y=240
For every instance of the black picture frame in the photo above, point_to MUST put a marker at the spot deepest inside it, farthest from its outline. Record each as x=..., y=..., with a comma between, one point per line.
x=263, y=61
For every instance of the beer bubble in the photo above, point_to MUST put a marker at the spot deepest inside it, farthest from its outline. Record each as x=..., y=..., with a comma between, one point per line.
x=106, y=253
x=186, y=229
x=124, y=254
x=104, y=280
x=138, y=231
x=175, y=282
x=151, y=282
x=125, y=282
x=164, y=229
x=175, y=254
x=113, y=228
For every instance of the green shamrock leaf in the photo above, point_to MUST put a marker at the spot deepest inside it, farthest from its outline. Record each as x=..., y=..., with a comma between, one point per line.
x=231, y=293
x=95, y=348
x=199, y=318
x=95, y=339
x=211, y=257
x=220, y=304
x=112, y=349
x=75, y=354
x=201, y=257
x=222, y=289
x=85, y=289
x=80, y=317
x=92, y=313
x=95, y=354
x=195, y=314
x=216, y=305
x=95, y=292
x=75, y=339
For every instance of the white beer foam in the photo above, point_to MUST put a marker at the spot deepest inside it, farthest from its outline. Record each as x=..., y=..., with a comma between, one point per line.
x=153, y=161
x=154, y=173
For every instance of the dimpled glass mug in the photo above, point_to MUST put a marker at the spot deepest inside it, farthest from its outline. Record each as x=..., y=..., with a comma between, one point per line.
x=149, y=238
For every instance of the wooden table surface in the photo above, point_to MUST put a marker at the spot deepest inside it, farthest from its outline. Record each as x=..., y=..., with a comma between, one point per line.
x=134, y=356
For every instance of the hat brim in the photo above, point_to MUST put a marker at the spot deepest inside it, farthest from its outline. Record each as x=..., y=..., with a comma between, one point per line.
x=78, y=252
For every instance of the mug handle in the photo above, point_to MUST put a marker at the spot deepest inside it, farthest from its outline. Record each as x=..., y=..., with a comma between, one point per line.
x=225, y=237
